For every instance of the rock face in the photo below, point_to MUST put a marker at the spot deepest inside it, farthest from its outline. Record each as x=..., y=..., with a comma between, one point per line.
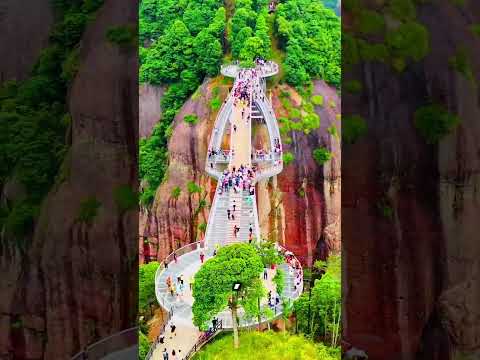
x=150, y=109
x=75, y=283
x=172, y=223
x=410, y=285
x=25, y=31
x=307, y=224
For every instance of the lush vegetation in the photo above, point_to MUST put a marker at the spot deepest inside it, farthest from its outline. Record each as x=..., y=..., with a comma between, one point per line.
x=321, y=155
x=353, y=127
x=34, y=119
x=398, y=46
x=212, y=289
x=249, y=37
x=434, y=122
x=318, y=314
x=182, y=42
x=143, y=345
x=310, y=35
x=146, y=285
x=267, y=346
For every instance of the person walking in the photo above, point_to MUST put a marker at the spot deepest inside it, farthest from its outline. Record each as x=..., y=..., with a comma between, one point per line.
x=174, y=355
x=190, y=281
x=202, y=256
x=175, y=257
x=228, y=214
x=172, y=330
x=265, y=275
x=165, y=354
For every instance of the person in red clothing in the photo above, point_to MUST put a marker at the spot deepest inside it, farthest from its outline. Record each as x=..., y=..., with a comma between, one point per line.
x=202, y=256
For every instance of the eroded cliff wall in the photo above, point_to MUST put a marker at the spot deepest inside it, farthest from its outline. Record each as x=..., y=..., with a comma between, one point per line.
x=410, y=284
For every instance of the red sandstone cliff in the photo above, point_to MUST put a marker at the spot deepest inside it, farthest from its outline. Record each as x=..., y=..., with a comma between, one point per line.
x=76, y=282
x=308, y=224
x=410, y=285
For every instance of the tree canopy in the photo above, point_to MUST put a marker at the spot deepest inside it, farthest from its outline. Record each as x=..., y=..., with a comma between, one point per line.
x=212, y=289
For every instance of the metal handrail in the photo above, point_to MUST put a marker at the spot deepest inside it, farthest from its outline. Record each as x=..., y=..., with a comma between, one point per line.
x=203, y=339
x=164, y=265
x=115, y=342
x=157, y=340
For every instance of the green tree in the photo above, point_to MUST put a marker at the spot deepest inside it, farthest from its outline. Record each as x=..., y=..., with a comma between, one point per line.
x=212, y=289
x=208, y=51
x=146, y=284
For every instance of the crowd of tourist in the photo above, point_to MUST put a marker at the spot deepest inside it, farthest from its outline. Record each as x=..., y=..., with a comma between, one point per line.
x=237, y=179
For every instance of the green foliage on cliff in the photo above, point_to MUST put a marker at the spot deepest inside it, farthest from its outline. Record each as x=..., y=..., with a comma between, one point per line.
x=88, y=210
x=310, y=35
x=266, y=345
x=461, y=63
x=32, y=118
x=181, y=43
x=146, y=285
x=125, y=198
x=353, y=127
x=288, y=157
x=123, y=36
x=321, y=155
x=434, y=122
x=191, y=119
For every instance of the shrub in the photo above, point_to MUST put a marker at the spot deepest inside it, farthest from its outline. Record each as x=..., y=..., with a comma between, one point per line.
x=279, y=281
x=176, y=191
x=202, y=227
x=191, y=119
x=88, y=210
x=122, y=35
x=288, y=157
x=434, y=122
x=193, y=188
x=216, y=103
x=317, y=100
x=332, y=130
x=125, y=198
x=321, y=155
x=146, y=284
x=143, y=345
x=353, y=87
x=353, y=127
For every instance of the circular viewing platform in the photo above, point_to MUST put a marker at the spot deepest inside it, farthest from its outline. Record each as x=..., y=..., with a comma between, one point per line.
x=269, y=68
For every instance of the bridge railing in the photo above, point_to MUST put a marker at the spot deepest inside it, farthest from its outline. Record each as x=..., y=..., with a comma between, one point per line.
x=203, y=339
x=171, y=257
x=116, y=342
x=153, y=347
x=299, y=289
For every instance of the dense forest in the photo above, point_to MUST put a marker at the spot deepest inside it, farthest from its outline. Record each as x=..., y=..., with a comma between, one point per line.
x=183, y=42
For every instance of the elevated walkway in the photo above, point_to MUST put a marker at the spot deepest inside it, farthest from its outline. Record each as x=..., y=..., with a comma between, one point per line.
x=219, y=230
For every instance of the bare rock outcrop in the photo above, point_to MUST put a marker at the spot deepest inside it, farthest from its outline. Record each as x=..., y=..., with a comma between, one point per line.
x=150, y=108
x=25, y=29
